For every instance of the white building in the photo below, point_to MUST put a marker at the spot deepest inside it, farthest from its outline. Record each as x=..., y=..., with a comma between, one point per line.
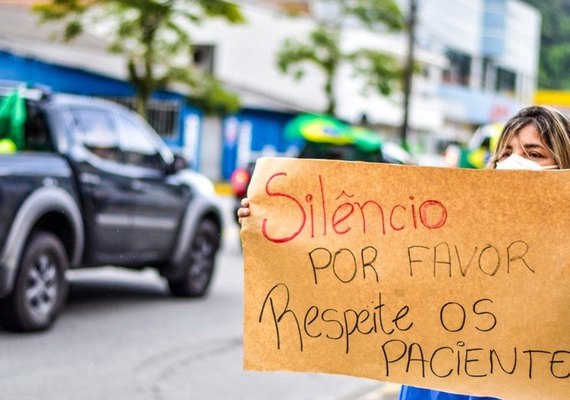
x=492, y=47
x=245, y=59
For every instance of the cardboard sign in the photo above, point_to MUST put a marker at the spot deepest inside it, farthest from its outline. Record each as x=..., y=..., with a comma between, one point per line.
x=450, y=279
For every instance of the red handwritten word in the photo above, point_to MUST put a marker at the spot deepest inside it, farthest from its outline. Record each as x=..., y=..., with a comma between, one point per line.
x=431, y=214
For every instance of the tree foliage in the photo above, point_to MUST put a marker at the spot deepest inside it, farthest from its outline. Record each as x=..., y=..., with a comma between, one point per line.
x=323, y=48
x=555, y=44
x=152, y=35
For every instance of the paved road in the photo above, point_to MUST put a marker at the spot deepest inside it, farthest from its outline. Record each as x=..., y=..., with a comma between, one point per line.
x=122, y=337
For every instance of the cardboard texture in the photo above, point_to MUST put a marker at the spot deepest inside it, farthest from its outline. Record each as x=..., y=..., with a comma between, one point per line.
x=448, y=279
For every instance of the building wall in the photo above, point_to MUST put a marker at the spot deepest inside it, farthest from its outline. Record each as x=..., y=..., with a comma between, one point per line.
x=246, y=56
x=449, y=24
x=523, y=47
x=60, y=78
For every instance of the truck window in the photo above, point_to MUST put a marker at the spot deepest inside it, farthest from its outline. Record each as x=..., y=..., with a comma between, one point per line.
x=136, y=144
x=96, y=130
x=36, y=130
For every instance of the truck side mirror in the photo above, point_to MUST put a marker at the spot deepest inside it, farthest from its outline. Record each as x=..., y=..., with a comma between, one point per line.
x=178, y=164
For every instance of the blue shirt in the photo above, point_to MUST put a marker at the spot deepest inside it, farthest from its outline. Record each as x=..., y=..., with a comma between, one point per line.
x=414, y=393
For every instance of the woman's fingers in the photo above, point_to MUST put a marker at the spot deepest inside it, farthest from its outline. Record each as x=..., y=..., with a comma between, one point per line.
x=243, y=211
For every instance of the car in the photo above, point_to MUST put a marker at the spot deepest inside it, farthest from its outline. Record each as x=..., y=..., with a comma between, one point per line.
x=91, y=184
x=478, y=151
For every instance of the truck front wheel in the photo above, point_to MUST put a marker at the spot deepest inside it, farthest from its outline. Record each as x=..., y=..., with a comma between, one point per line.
x=199, y=263
x=40, y=288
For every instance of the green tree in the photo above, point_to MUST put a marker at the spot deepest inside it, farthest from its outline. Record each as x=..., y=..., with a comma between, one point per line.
x=554, y=44
x=152, y=36
x=323, y=48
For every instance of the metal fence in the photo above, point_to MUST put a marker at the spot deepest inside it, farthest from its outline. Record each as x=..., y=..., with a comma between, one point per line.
x=163, y=115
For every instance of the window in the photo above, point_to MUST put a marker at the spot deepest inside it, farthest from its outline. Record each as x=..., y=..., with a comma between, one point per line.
x=96, y=131
x=37, y=135
x=459, y=70
x=163, y=117
x=506, y=81
x=136, y=143
x=203, y=57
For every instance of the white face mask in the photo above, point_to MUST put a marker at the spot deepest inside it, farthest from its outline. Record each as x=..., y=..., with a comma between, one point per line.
x=514, y=161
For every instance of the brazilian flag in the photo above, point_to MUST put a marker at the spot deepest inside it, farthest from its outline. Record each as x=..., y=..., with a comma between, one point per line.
x=320, y=128
x=13, y=118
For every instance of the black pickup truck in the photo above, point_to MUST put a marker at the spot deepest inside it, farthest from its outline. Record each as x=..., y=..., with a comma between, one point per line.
x=94, y=185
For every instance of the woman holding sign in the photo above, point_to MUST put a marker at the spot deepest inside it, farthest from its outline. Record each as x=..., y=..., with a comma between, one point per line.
x=536, y=138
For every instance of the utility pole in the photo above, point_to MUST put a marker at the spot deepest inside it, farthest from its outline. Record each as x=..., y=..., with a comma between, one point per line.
x=409, y=69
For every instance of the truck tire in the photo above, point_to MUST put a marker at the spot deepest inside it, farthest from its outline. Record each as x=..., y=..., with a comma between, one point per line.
x=199, y=263
x=40, y=288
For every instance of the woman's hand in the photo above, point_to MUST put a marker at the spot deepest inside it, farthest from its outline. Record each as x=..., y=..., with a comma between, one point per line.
x=243, y=212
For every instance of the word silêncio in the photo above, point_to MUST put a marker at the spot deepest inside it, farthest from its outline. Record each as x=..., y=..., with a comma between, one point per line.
x=398, y=217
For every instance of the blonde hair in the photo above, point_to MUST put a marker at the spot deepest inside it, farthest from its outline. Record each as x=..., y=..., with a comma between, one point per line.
x=552, y=126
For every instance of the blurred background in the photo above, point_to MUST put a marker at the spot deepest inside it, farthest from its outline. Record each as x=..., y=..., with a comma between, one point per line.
x=226, y=82
x=427, y=82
